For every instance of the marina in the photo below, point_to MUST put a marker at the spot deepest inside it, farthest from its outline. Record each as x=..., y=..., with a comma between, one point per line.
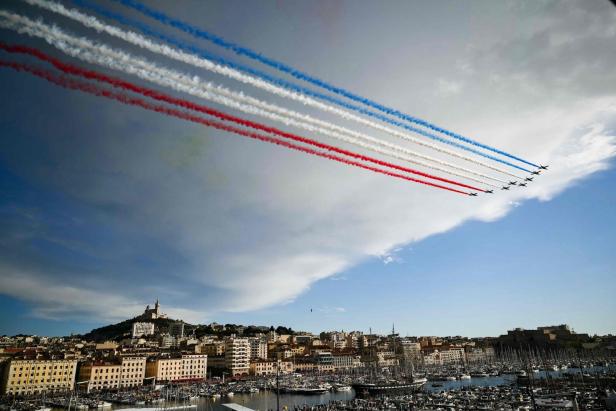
x=572, y=388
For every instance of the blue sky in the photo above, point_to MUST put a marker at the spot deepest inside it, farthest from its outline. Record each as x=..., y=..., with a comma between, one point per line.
x=545, y=263
x=106, y=207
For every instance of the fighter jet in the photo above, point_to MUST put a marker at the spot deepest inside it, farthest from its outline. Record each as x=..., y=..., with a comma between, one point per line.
x=505, y=188
x=489, y=191
x=536, y=173
x=528, y=179
x=472, y=194
x=543, y=167
x=522, y=184
x=512, y=183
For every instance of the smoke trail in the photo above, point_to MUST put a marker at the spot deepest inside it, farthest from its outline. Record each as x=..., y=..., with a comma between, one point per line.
x=148, y=30
x=119, y=83
x=117, y=60
x=243, y=51
x=151, y=93
x=196, y=61
x=123, y=98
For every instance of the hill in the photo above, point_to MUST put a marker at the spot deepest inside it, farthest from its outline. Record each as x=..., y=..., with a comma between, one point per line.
x=116, y=332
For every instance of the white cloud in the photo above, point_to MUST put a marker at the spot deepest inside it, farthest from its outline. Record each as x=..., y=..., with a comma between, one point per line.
x=55, y=301
x=255, y=225
x=446, y=88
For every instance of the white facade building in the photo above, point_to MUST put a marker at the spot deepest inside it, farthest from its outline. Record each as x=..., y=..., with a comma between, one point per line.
x=142, y=329
x=258, y=348
x=237, y=355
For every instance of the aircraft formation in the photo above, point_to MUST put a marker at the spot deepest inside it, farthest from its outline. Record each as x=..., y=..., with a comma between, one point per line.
x=422, y=152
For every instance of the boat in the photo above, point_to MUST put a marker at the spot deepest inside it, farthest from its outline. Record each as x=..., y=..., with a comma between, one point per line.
x=479, y=375
x=464, y=377
x=342, y=388
x=553, y=402
x=304, y=390
x=387, y=387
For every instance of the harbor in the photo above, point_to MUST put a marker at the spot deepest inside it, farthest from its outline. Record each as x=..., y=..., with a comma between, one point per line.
x=590, y=388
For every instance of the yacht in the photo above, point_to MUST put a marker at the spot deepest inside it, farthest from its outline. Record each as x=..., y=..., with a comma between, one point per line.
x=391, y=386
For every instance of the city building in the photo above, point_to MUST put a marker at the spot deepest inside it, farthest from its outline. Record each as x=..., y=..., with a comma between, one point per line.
x=443, y=356
x=479, y=355
x=345, y=361
x=270, y=367
x=100, y=376
x=176, y=329
x=182, y=368
x=33, y=376
x=353, y=340
x=452, y=355
x=167, y=341
x=324, y=361
x=386, y=359
x=142, y=329
x=213, y=349
x=303, y=339
x=237, y=356
x=107, y=346
x=258, y=348
x=132, y=372
x=548, y=336
x=409, y=348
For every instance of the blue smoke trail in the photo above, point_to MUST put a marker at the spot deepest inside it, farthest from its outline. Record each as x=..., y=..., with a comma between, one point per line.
x=272, y=79
x=243, y=51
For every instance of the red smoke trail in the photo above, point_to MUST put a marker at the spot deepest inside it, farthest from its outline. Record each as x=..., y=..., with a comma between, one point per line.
x=116, y=82
x=123, y=98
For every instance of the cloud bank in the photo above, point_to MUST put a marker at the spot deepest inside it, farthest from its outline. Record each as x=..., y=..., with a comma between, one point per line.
x=121, y=206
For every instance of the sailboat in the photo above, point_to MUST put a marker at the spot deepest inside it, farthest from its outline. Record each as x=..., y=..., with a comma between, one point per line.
x=390, y=386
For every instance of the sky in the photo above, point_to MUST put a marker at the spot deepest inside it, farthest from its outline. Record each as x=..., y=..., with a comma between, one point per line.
x=106, y=207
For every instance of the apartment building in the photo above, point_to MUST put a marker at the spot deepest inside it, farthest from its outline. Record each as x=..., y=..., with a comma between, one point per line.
x=185, y=367
x=132, y=371
x=452, y=355
x=141, y=329
x=237, y=356
x=100, y=376
x=270, y=367
x=410, y=350
x=344, y=361
x=33, y=376
x=258, y=348
x=212, y=349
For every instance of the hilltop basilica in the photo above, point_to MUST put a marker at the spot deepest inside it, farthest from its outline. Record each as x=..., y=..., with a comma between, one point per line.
x=152, y=313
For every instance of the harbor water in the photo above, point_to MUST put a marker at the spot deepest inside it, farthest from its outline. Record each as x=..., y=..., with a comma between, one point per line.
x=266, y=400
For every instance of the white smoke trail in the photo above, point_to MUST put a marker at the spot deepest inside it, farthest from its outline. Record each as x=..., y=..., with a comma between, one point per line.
x=106, y=56
x=197, y=61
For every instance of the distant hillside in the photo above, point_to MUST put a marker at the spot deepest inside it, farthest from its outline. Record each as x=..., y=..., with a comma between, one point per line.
x=115, y=332
x=121, y=330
